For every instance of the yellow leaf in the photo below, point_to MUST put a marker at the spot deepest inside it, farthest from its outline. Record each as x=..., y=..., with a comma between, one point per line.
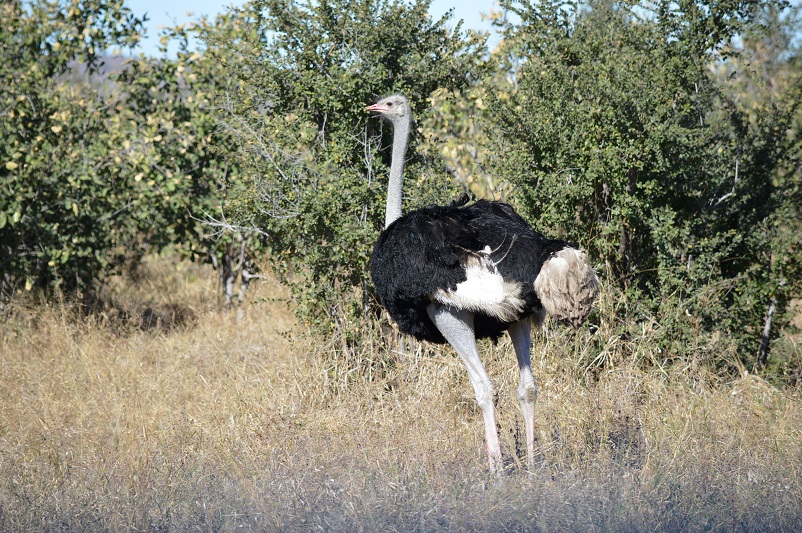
x=56, y=129
x=11, y=165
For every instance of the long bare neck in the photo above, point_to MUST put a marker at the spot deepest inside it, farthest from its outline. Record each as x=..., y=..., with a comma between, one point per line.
x=400, y=135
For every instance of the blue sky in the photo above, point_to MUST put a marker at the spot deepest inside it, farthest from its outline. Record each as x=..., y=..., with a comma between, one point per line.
x=162, y=13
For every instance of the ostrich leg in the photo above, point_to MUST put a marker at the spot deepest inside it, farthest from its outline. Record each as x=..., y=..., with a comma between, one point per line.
x=457, y=327
x=527, y=390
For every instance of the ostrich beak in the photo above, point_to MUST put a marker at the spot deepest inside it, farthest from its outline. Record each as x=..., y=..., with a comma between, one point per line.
x=377, y=108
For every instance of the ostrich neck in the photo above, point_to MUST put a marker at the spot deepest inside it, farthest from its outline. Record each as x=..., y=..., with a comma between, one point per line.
x=400, y=134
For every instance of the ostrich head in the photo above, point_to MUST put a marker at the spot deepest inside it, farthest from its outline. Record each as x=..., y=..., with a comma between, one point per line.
x=394, y=108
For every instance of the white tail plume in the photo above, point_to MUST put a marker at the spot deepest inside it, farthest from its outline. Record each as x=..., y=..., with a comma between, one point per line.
x=567, y=286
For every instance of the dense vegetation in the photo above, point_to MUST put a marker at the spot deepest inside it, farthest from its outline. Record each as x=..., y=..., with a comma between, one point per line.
x=618, y=136
x=315, y=188
x=663, y=137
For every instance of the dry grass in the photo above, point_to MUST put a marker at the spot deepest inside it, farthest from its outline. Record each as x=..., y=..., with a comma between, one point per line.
x=210, y=423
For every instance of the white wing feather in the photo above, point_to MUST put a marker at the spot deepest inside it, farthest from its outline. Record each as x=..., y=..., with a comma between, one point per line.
x=484, y=290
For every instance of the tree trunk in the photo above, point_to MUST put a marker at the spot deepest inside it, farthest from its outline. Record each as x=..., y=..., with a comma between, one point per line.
x=763, y=354
x=625, y=246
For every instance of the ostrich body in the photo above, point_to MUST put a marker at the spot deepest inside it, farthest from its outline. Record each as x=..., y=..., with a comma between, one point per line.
x=459, y=273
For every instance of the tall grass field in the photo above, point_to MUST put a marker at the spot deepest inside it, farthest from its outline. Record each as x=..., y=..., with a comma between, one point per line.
x=162, y=413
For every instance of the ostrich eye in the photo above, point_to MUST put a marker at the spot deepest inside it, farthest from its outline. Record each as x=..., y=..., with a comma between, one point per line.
x=389, y=104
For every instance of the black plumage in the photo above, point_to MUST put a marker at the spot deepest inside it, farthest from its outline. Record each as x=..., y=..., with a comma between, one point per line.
x=426, y=250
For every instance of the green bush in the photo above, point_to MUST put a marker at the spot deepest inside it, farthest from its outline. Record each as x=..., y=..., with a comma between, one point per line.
x=618, y=135
x=300, y=75
x=99, y=164
x=61, y=200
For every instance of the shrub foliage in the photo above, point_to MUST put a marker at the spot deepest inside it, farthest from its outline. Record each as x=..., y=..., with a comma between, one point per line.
x=619, y=134
x=301, y=76
x=104, y=158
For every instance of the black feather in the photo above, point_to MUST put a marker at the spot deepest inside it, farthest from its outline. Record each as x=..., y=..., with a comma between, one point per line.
x=461, y=200
x=424, y=251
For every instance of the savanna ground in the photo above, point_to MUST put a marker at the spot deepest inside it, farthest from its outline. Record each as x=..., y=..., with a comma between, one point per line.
x=162, y=413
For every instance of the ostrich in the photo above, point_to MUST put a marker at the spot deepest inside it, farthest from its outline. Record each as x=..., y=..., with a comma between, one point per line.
x=459, y=273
